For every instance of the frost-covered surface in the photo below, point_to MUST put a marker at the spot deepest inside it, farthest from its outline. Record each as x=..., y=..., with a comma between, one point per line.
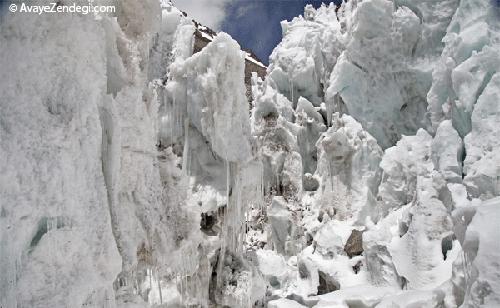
x=55, y=224
x=365, y=172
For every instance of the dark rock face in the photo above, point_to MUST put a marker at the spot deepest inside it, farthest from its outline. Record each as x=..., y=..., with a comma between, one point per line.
x=207, y=223
x=310, y=183
x=303, y=271
x=199, y=41
x=250, y=67
x=202, y=36
x=326, y=284
x=447, y=244
x=354, y=245
x=357, y=267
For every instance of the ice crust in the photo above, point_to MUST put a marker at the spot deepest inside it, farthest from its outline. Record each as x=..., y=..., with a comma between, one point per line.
x=364, y=172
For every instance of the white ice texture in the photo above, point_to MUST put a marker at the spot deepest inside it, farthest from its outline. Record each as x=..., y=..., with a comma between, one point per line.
x=364, y=171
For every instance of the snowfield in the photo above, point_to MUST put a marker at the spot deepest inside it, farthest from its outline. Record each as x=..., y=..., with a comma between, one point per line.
x=364, y=170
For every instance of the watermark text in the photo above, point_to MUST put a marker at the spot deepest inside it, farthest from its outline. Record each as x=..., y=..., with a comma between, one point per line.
x=58, y=7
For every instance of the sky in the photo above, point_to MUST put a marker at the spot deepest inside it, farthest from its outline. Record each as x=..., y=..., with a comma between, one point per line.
x=255, y=24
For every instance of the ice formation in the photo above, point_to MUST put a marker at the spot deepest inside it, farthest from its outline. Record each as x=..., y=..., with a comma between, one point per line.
x=147, y=161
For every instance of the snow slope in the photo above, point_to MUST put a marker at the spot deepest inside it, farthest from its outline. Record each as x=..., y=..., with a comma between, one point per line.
x=363, y=173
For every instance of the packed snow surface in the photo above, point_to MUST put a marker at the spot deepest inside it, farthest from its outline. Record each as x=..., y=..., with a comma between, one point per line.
x=362, y=171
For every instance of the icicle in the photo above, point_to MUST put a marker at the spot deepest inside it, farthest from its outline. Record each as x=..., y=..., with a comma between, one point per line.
x=331, y=174
x=277, y=184
x=159, y=287
x=185, y=153
x=227, y=219
x=149, y=275
x=240, y=216
x=262, y=205
x=174, y=114
x=171, y=116
x=329, y=111
x=497, y=181
x=184, y=280
x=181, y=278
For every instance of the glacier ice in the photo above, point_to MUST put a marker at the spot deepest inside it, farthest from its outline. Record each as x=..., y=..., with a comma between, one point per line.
x=143, y=168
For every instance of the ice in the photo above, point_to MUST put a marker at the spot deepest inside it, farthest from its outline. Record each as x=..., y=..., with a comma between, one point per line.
x=402, y=165
x=482, y=164
x=217, y=104
x=467, y=63
x=362, y=296
x=280, y=219
x=284, y=303
x=413, y=299
x=50, y=145
x=297, y=65
x=447, y=152
x=363, y=172
x=348, y=159
x=377, y=90
x=481, y=251
x=421, y=255
x=376, y=240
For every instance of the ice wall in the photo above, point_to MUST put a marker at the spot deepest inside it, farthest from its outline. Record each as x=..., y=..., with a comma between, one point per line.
x=363, y=173
x=84, y=217
x=421, y=79
x=57, y=243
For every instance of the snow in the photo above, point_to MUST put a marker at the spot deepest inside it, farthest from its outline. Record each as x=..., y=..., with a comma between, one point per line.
x=385, y=94
x=250, y=58
x=135, y=173
x=401, y=166
x=284, y=303
x=481, y=250
x=413, y=299
x=447, y=152
x=217, y=107
x=363, y=296
x=296, y=65
x=482, y=164
x=55, y=222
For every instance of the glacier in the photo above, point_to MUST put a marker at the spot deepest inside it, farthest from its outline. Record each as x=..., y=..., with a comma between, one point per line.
x=147, y=161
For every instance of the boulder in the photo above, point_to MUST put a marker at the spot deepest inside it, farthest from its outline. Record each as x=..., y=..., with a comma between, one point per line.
x=354, y=245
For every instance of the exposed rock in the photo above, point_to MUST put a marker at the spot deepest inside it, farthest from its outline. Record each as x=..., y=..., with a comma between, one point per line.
x=310, y=183
x=354, y=245
x=326, y=283
x=208, y=221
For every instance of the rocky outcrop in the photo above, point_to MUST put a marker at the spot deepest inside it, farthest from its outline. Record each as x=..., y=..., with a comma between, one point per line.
x=354, y=245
